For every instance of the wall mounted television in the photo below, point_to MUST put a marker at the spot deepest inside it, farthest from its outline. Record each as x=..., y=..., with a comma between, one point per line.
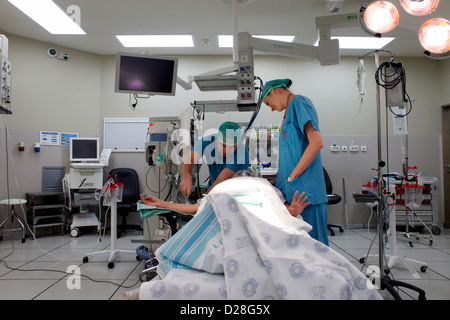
x=145, y=74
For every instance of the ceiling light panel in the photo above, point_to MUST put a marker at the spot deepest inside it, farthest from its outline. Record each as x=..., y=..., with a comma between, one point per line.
x=156, y=41
x=48, y=15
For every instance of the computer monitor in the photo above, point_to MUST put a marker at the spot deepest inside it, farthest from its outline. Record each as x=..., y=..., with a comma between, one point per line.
x=144, y=74
x=84, y=149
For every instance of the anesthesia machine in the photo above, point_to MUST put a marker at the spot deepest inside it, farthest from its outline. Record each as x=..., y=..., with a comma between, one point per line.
x=170, y=139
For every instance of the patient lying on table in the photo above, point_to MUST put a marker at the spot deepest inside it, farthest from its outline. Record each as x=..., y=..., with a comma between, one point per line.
x=295, y=208
x=243, y=243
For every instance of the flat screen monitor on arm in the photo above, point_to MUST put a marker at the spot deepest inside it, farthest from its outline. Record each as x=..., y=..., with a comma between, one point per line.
x=84, y=150
x=145, y=74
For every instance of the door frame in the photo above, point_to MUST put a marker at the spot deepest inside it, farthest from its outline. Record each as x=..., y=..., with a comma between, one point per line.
x=446, y=161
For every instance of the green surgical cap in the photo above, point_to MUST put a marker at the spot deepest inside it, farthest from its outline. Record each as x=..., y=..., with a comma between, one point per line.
x=278, y=83
x=230, y=132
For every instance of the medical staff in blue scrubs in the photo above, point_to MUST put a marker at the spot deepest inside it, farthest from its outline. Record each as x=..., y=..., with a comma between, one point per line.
x=300, y=163
x=223, y=153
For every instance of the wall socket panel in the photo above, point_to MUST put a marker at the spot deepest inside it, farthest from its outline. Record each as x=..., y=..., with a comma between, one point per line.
x=352, y=148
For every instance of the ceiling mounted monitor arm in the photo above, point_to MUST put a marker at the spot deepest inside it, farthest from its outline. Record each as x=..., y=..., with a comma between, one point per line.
x=185, y=85
x=296, y=50
x=327, y=53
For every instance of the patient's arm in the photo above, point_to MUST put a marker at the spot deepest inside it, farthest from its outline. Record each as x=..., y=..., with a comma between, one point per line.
x=181, y=207
x=297, y=205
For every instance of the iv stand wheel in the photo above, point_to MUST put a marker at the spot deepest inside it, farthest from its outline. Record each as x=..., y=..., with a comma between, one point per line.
x=85, y=259
x=423, y=268
x=145, y=277
x=75, y=232
x=110, y=265
x=436, y=230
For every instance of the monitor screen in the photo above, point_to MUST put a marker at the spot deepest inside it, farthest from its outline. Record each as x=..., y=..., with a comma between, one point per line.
x=84, y=149
x=145, y=74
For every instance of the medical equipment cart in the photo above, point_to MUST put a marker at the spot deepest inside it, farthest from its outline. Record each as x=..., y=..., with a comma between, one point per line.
x=46, y=209
x=427, y=212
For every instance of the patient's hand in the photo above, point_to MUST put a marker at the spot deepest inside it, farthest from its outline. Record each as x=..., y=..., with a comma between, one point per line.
x=152, y=201
x=298, y=204
x=185, y=187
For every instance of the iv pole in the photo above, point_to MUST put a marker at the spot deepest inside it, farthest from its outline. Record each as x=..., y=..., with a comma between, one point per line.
x=385, y=281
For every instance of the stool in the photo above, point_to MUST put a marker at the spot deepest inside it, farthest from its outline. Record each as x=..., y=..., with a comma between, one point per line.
x=12, y=215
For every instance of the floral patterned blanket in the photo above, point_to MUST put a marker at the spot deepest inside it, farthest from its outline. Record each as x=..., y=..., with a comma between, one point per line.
x=244, y=244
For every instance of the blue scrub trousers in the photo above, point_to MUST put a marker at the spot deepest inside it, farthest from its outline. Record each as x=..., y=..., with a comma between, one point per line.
x=317, y=217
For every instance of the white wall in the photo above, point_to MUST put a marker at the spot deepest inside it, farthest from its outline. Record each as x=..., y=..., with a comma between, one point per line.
x=50, y=94
x=444, y=66
x=75, y=96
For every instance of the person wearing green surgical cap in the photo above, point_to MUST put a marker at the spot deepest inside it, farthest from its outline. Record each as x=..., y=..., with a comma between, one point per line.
x=223, y=153
x=300, y=164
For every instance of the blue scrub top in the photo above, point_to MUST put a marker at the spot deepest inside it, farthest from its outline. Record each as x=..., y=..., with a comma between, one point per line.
x=207, y=147
x=292, y=145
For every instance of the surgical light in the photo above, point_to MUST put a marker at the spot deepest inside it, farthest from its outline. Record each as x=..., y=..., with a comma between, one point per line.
x=381, y=16
x=434, y=35
x=419, y=7
x=48, y=15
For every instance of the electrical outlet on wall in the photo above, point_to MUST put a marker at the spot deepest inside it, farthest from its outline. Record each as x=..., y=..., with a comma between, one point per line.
x=334, y=148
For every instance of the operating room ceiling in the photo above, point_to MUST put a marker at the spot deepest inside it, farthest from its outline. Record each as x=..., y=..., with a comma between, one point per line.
x=205, y=20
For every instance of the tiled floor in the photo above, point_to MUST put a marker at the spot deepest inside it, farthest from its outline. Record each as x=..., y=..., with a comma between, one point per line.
x=435, y=281
x=40, y=266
